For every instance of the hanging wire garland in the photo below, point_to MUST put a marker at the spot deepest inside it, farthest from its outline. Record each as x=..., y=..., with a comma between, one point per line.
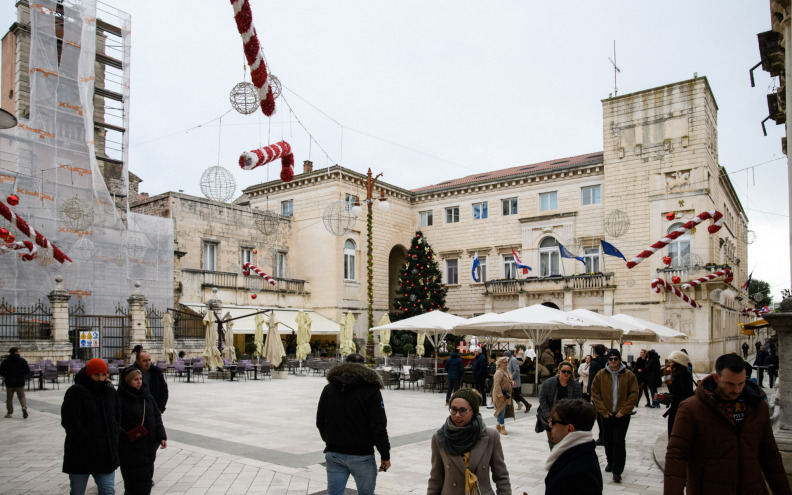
x=750, y=236
x=275, y=84
x=757, y=297
x=338, y=219
x=135, y=246
x=218, y=184
x=268, y=222
x=617, y=223
x=690, y=260
x=574, y=245
x=83, y=248
x=76, y=214
x=44, y=258
x=244, y=98
x=715, y=296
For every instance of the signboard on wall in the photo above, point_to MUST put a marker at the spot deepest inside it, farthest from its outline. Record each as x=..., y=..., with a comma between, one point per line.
x=89, y=339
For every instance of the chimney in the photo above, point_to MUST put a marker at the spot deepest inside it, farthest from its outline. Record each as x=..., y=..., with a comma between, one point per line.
x=307, y=166
x=143, y=196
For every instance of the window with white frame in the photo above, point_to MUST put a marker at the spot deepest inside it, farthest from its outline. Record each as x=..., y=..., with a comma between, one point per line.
x=426, y=218
x=509, y=206
x=287, y=208
x=548, y=201
x=350, y=260
x=349, y=199
x=452, y=214
x=481, y=270
x=247, y=255
x=452, y=272
x=592, y=257
x=280, y=264
x=679, y=248
x=210, y=256
x=590, y=195
x=549, y=257
x=480, y=210
x=509, y=266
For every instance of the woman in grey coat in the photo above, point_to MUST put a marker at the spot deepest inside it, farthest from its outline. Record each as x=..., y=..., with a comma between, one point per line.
x=555, y=388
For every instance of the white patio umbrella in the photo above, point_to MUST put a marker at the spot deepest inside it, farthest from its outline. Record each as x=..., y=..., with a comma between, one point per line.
x=647, y=330
x=167, y=337
x=434, y=324
x=605, y=320
x=211, y=352
x=229, y=351
x=347, y=335
x=258, y=339
x=384, y=336
x=273, y=347
x=303, y=335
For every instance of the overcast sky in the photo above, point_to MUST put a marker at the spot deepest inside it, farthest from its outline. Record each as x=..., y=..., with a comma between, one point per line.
x=426, y=91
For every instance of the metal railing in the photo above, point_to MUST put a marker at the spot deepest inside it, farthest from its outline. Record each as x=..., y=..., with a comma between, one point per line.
x=25, y=322
x=554, y=282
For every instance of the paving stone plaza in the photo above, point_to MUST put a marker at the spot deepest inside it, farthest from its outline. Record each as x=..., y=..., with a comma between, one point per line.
x=259, y=437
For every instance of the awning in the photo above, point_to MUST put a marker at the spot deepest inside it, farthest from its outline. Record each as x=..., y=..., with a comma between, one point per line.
x=286, y=317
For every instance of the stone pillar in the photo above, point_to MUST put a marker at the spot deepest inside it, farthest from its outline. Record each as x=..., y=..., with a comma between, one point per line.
x=137, y=317
x=607, y=303
x=59, y=306
x=782, y=324
x=568, y=300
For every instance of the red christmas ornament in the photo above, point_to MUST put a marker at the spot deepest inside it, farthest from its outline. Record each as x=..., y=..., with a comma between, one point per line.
x=671, y=216
x=9, y=238
x=3, y=232
x=667, y=260
x=255, y=251
x=675, y=280
x=253, y=296
x=13, y=200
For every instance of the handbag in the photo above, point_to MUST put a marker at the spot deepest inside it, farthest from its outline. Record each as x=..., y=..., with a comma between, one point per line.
x=506, y=393
x=139, y=431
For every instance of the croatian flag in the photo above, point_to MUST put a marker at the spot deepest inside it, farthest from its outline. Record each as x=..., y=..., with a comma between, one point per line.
x=476, y=264
x=748, y=282
x=519, y=264
x=764, y=309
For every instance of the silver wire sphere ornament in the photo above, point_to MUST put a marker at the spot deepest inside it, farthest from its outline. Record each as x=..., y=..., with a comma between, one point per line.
x=267, y=222
x=83, y=248
x=135, y=246
x=244, y=98
x=275, y=84
x=76, y=214
x=218, y=184
x=617, y=223
x=338, y=220
x=750, y=236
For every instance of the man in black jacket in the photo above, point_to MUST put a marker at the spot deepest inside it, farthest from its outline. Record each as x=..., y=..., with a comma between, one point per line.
x=480, y=373
x=153, y=380
x=573, y=466
x=351, y=420
x=14, y=369
x=599, y=362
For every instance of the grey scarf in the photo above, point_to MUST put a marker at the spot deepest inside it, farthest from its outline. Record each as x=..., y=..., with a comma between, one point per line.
x=457, y=440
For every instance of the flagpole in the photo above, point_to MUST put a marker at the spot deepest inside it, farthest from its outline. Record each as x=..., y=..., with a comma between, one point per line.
x=561, y=260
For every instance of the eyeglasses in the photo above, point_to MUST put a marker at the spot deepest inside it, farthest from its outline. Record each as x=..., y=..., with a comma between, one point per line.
x=614, y=358
x=552, y=422
x=461, y=411
x=566, y=372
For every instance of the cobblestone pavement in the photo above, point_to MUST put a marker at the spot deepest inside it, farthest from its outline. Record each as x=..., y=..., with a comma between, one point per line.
x=259, y=437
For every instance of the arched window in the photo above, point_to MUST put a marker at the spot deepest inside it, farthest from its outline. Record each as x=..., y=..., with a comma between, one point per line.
x=679, y=248
x=350, y=260
x=549, y=257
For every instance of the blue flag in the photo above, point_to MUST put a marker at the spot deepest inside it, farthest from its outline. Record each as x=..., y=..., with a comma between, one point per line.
x=748, y=282
x=610, y=250
x=476, y=264
x=566, y=254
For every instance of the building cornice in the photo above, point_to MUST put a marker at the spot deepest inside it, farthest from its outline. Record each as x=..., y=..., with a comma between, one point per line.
x=542, y=218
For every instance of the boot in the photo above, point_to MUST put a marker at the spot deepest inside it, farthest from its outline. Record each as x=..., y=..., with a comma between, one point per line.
x=519, y=406
x=502, y=430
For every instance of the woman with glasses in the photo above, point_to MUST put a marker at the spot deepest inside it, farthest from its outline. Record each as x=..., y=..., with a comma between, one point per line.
x=554, y=389
x=501, y=392
x=465, y=453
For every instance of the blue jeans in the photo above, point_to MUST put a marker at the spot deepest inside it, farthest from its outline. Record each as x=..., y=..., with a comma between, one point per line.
x=362, y=467
x=653, y=390
x=105, y=483
x=502, y=416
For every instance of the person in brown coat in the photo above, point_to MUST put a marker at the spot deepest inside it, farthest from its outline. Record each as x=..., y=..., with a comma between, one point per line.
x=501, y=393
x=465, y=453
x=722, y=441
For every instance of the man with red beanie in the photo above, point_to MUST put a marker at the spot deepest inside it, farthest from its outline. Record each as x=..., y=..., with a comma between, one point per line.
x=91, y=416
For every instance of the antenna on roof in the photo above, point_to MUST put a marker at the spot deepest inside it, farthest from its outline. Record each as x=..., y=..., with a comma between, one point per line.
x=616, y=69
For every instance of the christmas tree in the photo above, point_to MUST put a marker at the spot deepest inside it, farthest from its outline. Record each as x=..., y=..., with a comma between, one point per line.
x=420, y=282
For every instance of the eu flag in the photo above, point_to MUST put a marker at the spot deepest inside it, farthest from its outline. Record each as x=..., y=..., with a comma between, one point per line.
x=610, y=250
x=566, y=254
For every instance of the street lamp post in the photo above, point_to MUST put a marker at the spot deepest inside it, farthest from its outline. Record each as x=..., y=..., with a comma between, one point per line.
x=384, y=206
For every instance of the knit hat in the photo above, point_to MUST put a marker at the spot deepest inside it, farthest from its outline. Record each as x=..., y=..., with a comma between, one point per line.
x=95, y=366
x=469, y=394
x=507, y=353
x=679, y=357
x=614, y=352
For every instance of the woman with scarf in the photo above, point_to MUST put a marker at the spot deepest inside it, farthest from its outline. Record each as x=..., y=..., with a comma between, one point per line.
x=501, y=393
x=465, y=452
x=137, y=447
x=680, y=385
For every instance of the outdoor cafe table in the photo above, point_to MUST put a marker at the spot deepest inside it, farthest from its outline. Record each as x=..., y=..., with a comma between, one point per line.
x=188, y=369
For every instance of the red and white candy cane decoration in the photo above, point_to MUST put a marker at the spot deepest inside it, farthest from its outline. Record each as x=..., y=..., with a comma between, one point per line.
x=247, y=268
x=659, y=283
x=262, y=156
x=712, y=276
x=13, y=246
x=258, y=67
x=42, y=241
x=717, y=223
x=751, y=311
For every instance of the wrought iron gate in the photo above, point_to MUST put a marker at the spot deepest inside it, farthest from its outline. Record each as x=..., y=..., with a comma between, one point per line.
x=112, y=332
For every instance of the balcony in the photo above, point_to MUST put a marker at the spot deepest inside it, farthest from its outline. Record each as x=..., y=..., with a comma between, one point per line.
x=686, y=273
x=593, y=281
x=228, y=280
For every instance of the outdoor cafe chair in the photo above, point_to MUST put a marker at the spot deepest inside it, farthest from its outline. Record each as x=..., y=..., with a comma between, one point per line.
x=50, y=374
x=265, y=369
x=198, y=370
x=414, y=377
x=112, y=370
x=241, y=370
x=63, y=368
x=178, y=370
x=429, y=381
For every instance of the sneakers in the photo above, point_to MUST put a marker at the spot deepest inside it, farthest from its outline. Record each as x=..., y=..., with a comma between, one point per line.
x=617, y=478
x=24, y=413
x=519, y=406
x=8, y=415
x=491, y=406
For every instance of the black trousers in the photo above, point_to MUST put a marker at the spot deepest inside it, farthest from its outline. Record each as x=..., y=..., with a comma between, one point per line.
x=481, y=386
x=517, y=395
x=772, y=373
x=453, y=386
x=614, y=431
x=643, y=389
x=760, y=375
